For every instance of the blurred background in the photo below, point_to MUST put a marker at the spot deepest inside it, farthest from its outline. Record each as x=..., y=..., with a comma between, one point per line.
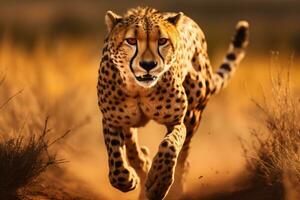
x=52, y=48
x=274, y=22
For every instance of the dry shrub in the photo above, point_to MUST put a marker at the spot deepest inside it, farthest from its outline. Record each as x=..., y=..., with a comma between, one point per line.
x=24, y=145
x=22, y=160
x=274, y=156
x=36, y=85
x=24, y=148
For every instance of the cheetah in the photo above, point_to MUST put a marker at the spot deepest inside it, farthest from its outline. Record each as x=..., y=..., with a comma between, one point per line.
x=155, y=67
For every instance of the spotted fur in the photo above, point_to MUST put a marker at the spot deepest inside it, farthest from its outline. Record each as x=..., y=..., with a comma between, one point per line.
x=155, y=66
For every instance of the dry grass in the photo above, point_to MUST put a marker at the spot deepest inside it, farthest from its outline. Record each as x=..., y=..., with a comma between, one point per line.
x=22, y=160
x=30, y=90
x=274, y=156
x=24, y=155
x=278, y=154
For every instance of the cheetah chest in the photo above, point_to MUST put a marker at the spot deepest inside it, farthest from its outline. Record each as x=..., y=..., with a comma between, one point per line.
x=165, y=106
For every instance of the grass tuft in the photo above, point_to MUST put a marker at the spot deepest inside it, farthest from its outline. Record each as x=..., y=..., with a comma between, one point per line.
x=274, y=156
x=22, y=160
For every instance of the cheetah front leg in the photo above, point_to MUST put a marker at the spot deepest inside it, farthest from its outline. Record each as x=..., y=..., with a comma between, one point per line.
x=192, y=121
x=161, y=174
x=121, y=175
x=138, y=157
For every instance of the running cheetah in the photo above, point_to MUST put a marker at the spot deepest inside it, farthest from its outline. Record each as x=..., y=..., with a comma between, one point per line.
x=155, y=66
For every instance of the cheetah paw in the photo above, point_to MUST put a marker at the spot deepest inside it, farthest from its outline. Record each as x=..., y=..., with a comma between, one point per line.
x=159, y=180
x=124, y=179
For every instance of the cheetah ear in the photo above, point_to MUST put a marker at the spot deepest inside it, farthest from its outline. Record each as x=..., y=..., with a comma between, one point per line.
x=175, y=19
x=111, y=19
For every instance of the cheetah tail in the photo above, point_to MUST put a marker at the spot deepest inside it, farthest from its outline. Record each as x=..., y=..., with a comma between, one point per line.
x=234, y=56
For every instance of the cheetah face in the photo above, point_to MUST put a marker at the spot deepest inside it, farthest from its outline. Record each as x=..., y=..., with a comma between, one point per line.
x=143, y=48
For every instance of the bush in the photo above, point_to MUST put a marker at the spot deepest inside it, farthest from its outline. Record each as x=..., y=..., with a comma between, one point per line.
x=22, y=160
x=274, y=156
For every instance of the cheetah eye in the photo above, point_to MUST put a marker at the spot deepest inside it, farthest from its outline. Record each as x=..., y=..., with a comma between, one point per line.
x=131, y=41
x=162, y=41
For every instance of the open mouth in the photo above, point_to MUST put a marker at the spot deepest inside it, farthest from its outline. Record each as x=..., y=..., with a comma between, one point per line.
x=146, y=78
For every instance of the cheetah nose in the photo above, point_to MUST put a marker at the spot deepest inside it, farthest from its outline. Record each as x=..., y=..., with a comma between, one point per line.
x=148, y=65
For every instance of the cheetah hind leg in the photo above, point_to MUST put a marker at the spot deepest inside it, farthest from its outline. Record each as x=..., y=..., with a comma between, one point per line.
x=138, y=158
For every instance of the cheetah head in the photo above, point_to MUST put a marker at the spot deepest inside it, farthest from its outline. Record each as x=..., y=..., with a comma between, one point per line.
x=143, y=44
